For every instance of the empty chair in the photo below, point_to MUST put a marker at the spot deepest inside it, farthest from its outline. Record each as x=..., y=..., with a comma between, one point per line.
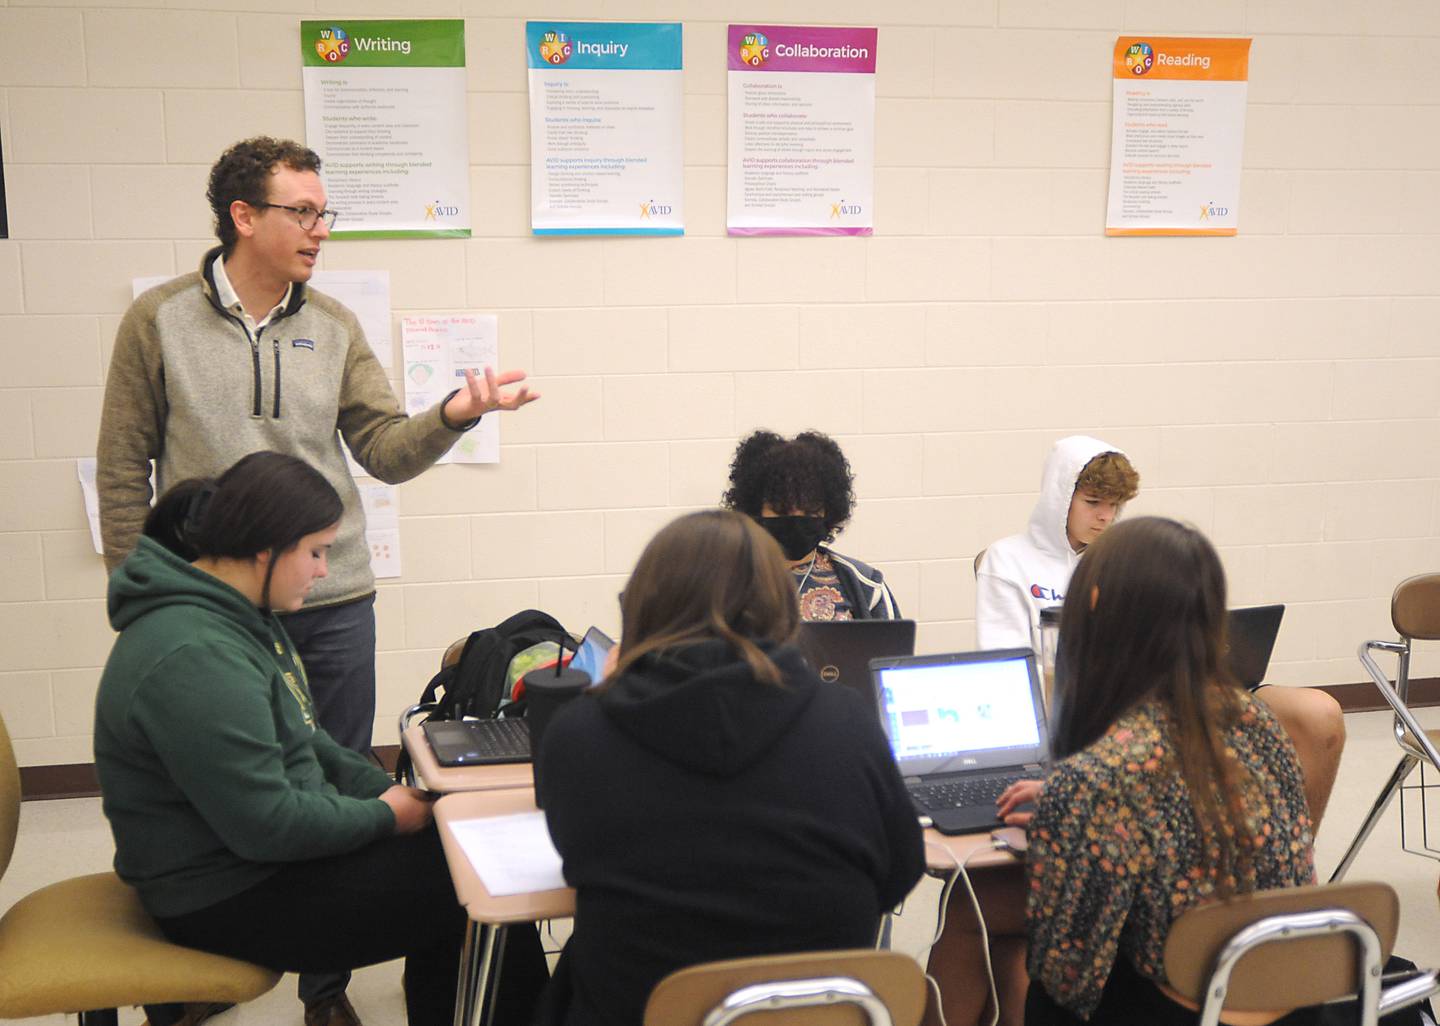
x=1415, y=612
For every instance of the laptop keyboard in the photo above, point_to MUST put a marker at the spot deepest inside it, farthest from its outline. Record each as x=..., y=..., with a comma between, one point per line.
x=507, y=738
x=961, y=794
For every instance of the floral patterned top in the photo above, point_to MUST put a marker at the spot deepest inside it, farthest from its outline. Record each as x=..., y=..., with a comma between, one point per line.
x=820, y=594
x=1115, y=847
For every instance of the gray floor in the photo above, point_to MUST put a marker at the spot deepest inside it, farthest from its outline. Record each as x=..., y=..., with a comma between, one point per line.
x=69, y=838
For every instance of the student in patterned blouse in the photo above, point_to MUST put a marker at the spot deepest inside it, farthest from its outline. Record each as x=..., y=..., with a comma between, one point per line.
x=801, y=491
x=1174, y=786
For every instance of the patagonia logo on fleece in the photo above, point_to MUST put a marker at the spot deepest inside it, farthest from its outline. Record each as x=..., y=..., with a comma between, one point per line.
x=303, y=343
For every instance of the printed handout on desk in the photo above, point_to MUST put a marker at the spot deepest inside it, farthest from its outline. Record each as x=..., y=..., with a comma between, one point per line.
x=366, y=293
x=1177, y=136
x=438, y=350
x=607, y=106
x=382, y=527
x=385, y=108
x=802, y=130
x=511, y=854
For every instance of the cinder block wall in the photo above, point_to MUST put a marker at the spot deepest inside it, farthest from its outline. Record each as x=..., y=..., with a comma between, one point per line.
x=1278, y=389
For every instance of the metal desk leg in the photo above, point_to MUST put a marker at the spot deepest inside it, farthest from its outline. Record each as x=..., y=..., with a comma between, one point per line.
x=477, y=957
x=490, y=976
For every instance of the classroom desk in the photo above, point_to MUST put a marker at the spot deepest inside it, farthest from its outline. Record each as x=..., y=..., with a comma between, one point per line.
x=489, y=915
x=432, y=776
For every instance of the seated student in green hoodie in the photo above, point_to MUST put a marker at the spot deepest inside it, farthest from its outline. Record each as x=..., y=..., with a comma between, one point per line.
x=245, y=829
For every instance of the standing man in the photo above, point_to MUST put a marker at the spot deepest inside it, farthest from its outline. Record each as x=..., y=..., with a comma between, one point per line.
x=240, y=356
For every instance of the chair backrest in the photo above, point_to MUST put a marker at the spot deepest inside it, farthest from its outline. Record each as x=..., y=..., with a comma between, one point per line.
x=979, y=556
x=9, y=798
x=1415, y=608
x=452, y=654
x=1288, y=974
x=695, y=996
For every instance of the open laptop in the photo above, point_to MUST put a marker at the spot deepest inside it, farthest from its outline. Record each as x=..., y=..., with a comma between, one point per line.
x=963, y=727
x=1252, y=632
x=490, y=742
x=841, y=650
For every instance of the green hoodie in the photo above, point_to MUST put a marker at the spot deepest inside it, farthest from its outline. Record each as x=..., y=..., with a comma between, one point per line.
x=212, y=769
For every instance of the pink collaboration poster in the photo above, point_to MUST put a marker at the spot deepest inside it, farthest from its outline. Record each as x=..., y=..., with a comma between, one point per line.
x=801, y=130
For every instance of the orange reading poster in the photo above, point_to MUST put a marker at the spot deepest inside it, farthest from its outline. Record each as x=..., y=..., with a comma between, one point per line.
x=1179, y=128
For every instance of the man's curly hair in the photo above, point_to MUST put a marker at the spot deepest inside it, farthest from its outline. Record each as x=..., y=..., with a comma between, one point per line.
x=1109, y=476
x=808, y=472
x=243, y=173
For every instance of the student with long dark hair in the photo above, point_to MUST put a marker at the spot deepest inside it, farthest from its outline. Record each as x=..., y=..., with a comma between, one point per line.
x=1174, y=786
x=712, y=798
x=245, y=828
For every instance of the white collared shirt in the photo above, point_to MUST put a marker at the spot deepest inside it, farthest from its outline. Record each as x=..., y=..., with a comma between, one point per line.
x=225, y=292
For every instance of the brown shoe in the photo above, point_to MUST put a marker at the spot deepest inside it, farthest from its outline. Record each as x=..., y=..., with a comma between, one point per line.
x=197, y=1012
x=332, y=1012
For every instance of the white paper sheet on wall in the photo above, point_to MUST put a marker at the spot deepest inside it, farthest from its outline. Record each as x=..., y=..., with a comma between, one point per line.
x=366, y=293
x=382, y=527
x=438, y=349
x=85, y=471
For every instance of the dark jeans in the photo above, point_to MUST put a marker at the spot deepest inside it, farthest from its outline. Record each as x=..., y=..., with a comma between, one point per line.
x=337, y=645
x=389, y=900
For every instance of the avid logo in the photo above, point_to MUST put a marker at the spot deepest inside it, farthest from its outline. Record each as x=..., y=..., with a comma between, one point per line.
x=1139, y=58
x=653, y=209
x=843, y=209
x=754, y=49
x=333, y=45
x=435, y=211
x=1047, y=594
x=1210, y=210
x=555, y=48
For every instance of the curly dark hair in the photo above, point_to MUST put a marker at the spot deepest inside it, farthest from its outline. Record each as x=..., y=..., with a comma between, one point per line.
x=243, y=173
x=808, y=472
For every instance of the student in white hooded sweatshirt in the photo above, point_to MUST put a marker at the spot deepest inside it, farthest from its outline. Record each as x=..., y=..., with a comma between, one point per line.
x=1022, y=574
x=1084, y=486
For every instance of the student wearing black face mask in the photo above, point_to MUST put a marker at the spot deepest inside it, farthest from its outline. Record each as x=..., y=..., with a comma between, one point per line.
x=801, y=491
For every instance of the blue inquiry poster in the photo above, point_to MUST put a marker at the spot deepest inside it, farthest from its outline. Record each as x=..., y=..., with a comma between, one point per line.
x=606, y=128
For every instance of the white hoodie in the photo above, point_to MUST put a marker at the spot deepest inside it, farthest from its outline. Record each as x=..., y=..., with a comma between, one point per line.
x=1022, y=574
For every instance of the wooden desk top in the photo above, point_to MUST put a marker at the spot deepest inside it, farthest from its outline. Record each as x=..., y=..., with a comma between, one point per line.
x=430, y=775
x=560, y=903
x=479, y=903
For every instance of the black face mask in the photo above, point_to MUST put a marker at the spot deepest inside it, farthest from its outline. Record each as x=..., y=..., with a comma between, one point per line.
x=797, y=536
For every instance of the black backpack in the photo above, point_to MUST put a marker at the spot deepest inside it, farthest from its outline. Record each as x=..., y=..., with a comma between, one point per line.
x=475, y=684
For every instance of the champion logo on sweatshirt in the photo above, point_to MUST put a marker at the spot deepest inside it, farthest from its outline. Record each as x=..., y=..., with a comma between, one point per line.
x=303, y=343
x=1047, y=594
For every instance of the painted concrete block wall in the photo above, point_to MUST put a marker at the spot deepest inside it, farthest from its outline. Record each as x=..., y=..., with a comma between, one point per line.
x=1278, y=389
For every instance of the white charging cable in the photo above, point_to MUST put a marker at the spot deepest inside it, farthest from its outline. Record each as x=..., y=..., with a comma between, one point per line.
x=959, y=873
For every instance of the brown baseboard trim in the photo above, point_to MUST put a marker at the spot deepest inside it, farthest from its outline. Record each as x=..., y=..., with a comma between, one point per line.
x=39, y=783
x=1424, y=691
x=76, y=780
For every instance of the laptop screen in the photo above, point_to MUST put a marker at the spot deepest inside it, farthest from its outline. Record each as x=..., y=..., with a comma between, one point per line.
x=968, y=711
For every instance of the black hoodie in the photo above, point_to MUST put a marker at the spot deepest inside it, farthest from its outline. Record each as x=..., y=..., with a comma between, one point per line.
x=704, y=815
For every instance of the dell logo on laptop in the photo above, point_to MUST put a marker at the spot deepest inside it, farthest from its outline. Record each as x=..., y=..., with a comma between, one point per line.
x=830, y=674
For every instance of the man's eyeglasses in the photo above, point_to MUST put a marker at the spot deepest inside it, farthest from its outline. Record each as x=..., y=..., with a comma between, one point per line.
x=307, y=216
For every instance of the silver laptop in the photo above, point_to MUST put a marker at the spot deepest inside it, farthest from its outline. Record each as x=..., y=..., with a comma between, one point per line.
x=963, y=727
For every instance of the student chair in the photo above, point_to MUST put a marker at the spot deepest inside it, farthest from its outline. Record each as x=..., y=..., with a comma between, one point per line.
x=85, y=945
x=828, y=988
x=1415, y=612
x=1291, y=948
